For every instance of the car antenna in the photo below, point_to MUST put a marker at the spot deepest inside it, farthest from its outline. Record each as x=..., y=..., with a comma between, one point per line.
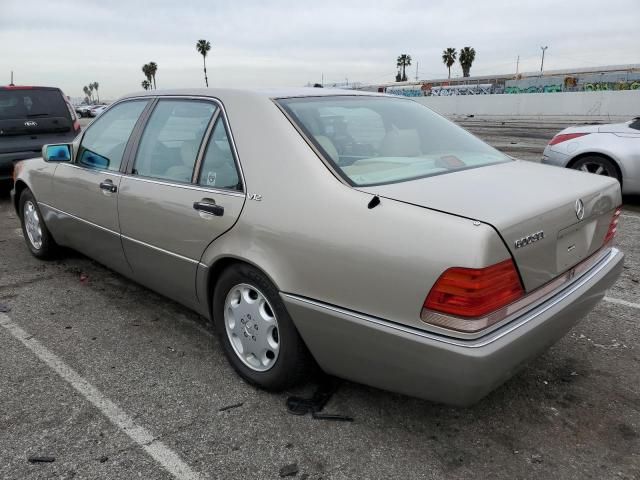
x=374, y=202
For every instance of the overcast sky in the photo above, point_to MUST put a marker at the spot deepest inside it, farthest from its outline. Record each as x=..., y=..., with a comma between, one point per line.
x=69, y=43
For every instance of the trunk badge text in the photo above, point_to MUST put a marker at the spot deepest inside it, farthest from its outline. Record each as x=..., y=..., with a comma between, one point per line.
x=579, y=209
x=255, y=196
x=30, y=123
x=529, y=239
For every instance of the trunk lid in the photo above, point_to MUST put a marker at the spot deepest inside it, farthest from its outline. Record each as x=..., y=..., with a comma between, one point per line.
x=520, y=200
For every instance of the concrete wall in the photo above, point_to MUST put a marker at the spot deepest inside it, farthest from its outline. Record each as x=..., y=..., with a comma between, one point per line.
x=605, y=105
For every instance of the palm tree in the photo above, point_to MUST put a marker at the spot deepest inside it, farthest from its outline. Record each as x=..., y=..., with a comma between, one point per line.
x=147, y=73
x=95, y=86
x=146, y=85
x=403, y=61
x=85, y=89
x=153, y=68
x=91, y=90
x=467, y=56
x=203, y=46
x=449, y=58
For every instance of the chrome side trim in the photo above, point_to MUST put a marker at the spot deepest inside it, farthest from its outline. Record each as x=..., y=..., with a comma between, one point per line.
x=104, y=229
x=514, y=324
x=187, y=186
x=97, y=170
x=162, y=250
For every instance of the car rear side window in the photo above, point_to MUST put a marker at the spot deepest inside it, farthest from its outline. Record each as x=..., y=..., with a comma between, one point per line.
x=103, y=144
x=171, y=140
x=219, y=168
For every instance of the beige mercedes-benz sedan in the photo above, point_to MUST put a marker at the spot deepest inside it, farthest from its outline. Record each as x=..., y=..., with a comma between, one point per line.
x=360, y=232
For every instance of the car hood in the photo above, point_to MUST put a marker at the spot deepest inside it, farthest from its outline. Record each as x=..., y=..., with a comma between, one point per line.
x=520, y=199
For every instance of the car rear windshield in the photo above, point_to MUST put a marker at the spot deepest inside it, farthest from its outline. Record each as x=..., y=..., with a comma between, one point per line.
x=32, y=103
x=373, y=140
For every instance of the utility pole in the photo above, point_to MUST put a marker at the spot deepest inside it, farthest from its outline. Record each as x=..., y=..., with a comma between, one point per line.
x=11, y=84
x=517, y=65
x=417, y=63
x=542, y=62
x=322, y=81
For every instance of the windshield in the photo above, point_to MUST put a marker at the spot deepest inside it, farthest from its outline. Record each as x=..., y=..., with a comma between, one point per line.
x=377, y=140
x=31, y=103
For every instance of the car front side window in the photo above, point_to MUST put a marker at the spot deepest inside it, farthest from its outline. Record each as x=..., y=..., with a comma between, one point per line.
x=102, y=146
x=171, y=140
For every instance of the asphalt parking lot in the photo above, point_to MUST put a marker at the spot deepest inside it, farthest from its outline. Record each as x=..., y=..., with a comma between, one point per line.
x=112, y=381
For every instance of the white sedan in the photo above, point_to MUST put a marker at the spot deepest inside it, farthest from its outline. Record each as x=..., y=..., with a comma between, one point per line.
x=611, y=150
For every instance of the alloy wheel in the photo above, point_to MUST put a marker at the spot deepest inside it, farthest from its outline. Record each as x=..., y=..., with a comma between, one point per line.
x=252, y=327
x=32, y=225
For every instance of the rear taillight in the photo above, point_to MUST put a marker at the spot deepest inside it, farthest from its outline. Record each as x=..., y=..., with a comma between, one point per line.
x=613, y=226
x=564, y=137
x=76, y=126
x=471, y=294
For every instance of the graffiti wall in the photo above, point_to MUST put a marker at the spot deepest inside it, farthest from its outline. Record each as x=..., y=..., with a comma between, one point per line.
x=615, y=80
x=610, y=81
x=428, y=90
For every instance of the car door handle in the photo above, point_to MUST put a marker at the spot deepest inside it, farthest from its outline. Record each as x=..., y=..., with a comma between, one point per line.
x=209, y=207
x=108, y=186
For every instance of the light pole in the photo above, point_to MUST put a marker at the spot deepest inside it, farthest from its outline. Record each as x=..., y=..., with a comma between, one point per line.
x=542, y=62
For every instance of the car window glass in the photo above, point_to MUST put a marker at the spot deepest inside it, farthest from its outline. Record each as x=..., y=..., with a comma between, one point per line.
x=103, y=144
x=171, y=140
x=377, y=140
x=31, y=103
x=218, y=166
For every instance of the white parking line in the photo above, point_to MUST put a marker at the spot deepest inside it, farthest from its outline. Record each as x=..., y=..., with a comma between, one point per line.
x=617, y=301
x=162, y=454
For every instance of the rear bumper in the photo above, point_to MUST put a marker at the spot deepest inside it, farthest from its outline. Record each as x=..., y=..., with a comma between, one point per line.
x=551, y=157
x=394, y=357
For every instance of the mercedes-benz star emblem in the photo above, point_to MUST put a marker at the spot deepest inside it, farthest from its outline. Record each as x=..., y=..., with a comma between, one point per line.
x=579, y=209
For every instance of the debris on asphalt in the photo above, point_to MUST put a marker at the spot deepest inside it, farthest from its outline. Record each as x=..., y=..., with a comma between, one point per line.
x=84, y=278
x=229, y=407
x=331, y=416
x=289, y=470
x=41, y=459
x=4, y=308
x=103, y=459
x=315, y=404
x=535, y=458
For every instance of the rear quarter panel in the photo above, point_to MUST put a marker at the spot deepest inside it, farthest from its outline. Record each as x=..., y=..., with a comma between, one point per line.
x=315, y=237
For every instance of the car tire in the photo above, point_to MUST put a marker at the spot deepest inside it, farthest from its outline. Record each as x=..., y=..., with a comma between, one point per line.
x=238, y=316
x=38, y=238
x=598, y=165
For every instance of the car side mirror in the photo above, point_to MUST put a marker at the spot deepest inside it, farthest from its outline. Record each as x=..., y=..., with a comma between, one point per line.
x=56, y=153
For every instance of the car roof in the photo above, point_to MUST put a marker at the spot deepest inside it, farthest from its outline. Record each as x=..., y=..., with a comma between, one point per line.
x=26, y=87
x=268, y=93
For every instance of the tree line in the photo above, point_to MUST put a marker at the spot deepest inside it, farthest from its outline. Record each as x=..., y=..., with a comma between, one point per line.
x=88, y=93
x=466, y=58
x=150, y=69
